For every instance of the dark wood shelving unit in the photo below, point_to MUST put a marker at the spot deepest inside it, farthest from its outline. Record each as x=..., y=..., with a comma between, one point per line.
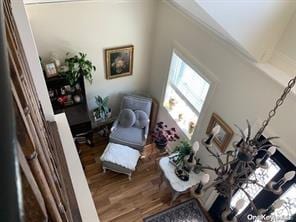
x=61, y=93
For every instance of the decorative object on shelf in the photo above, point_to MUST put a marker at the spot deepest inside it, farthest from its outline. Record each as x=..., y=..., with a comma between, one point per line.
x=223, y=138
x=119, y=61
x=191, y=127
x=162, y=135
x=180, y=116
x=233, y=171
x=50, y=70
x=77, y=66
x=54, y=59
x=102, y=112
x=172, y=103
x=77, y=98
x=62, y=100
x=51, y=93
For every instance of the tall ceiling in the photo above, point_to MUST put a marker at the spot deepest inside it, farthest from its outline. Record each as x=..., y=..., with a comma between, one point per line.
x=254, y=27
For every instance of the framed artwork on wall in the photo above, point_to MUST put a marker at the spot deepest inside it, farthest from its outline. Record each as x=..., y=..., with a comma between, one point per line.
x=119, y=61
x=225, y=135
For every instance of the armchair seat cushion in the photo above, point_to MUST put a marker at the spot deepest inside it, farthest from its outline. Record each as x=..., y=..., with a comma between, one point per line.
x=133, y=137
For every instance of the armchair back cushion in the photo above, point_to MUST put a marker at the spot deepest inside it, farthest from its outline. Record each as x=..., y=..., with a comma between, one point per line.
x=136, y=103
x=142, y=119
x=127, y=118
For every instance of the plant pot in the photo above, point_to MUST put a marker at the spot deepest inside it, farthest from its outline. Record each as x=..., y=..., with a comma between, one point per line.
x=161, y=145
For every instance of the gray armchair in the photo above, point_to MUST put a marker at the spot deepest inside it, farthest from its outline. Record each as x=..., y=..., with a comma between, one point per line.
x=133, y=136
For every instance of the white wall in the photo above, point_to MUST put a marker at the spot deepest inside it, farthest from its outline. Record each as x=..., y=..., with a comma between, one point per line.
x=284, y=56
x=256, y=25
x=30, y=49
x=91, y=27
x=287, y=44
x=242, y=92
x=84, y=198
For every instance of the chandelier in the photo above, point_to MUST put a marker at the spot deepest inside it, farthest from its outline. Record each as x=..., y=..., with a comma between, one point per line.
x=236, y=166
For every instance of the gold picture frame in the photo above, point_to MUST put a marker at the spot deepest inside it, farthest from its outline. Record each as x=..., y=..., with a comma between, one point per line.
x=225, y=135
x=119, y=61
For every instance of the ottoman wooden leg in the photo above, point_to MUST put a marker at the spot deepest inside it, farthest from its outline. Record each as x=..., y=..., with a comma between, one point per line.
x=129, y=176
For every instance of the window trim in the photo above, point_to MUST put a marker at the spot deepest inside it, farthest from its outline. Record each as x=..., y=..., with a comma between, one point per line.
x=203, y=71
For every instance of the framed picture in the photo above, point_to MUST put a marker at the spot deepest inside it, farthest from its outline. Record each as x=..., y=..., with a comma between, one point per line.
x=50, y=70
x=119, y=61
x=225, y=135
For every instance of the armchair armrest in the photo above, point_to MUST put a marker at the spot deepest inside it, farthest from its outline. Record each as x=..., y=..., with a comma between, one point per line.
x=115, y=124
x=146, y=130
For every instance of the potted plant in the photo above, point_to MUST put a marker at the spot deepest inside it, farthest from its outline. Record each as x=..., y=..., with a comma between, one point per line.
x=102, y=112
x=182, y=150
x=162, y=134
x=77, y=66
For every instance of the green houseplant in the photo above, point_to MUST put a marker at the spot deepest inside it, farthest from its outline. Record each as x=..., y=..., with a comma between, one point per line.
x=182, y=150
x=77, y=66
x=103, y=110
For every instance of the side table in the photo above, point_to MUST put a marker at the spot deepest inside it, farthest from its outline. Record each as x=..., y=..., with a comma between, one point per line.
x=177, y=186
x=105, y=125
x=152, y=153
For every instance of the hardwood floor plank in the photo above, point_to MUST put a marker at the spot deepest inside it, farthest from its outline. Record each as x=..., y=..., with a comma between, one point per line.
x=118, y=199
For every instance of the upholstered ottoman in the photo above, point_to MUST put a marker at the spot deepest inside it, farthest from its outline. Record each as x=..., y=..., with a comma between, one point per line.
x=120, y=158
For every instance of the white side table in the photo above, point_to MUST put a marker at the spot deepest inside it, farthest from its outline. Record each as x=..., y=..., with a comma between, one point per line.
x=178, y=186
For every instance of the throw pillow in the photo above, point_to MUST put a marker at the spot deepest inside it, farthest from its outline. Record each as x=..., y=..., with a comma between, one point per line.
x=127, y=118
x=141, y=119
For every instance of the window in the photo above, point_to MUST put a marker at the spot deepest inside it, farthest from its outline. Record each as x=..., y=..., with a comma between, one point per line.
x=185, y=94
x=264, y=176
x=288, y=209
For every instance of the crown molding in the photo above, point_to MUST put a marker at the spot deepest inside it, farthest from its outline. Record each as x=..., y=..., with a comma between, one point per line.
x=284, y=62
x=31, y=2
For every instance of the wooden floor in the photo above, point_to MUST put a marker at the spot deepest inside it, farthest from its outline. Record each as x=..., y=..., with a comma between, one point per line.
x=118, y=199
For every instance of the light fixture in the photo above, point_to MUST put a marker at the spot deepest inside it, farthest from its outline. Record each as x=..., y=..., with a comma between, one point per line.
x=203, y=181
x=241, y=162
x=267, y=212
x=230, y=214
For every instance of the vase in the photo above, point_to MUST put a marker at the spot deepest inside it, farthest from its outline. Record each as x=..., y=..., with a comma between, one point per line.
x=77, y=99
x=161, y=145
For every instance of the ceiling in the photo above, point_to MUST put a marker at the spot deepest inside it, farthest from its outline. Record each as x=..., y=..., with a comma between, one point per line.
x=48, y=1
